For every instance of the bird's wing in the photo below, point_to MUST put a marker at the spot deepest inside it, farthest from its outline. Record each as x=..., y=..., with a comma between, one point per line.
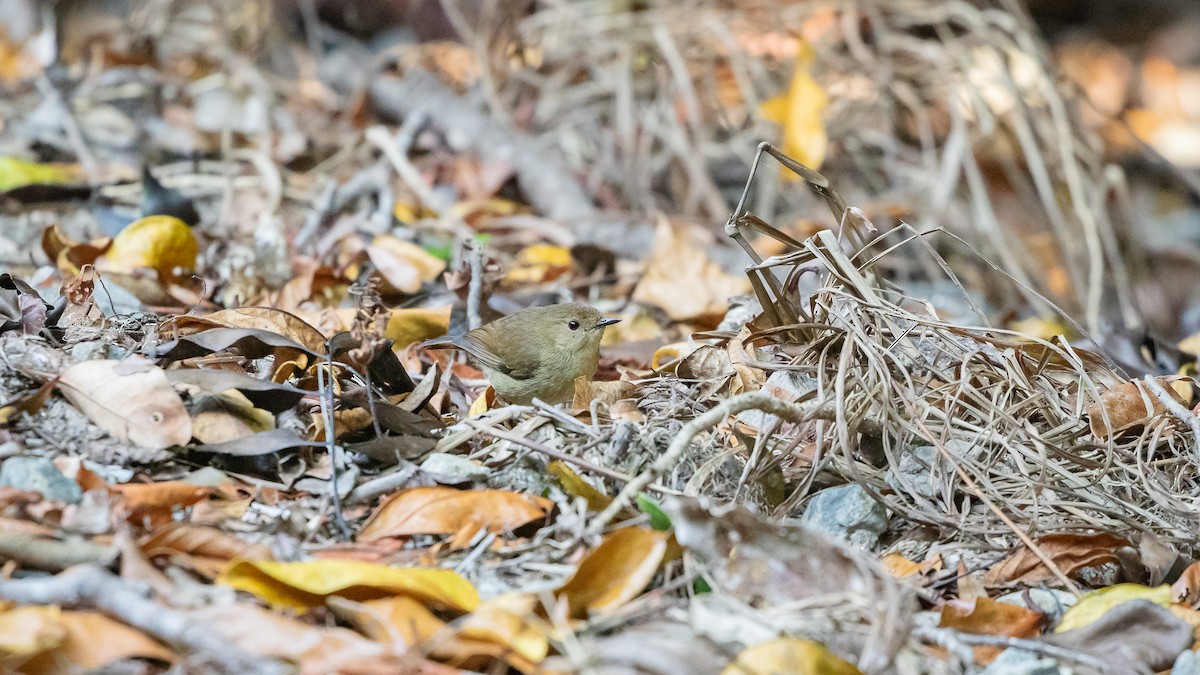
x=518, y=360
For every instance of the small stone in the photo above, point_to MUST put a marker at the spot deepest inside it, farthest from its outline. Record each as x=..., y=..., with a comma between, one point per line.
x=916, y=467
x=450, y=469
x=785, y=385
x=1187, y=663
x=848, y=512
x=40, y=475
x=1053, y=602
x=1014, y=661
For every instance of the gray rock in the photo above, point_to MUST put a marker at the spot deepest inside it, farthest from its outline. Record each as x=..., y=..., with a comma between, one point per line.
x=1053, y=602
x=848, y=512
x=916, y=469
x=1187, y=663
x=786, y=385
x=453, y=469
x=1020, y=662
x=924, y=471
x=39, y=474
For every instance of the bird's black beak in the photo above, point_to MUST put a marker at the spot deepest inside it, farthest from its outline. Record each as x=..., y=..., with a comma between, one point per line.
x=606, y=322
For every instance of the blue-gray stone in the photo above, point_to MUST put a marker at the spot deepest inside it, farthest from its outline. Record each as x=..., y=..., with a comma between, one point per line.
x=847, y=512
x=1020, y=662
x=40, y=475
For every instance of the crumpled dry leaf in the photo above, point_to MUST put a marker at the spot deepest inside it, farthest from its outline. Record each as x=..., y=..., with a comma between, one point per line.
x=227, y=416
x=154, y=503
x=266, y=319
x=130, y=399
x=604, y=392
x=1186, y=589
x=766, y=564
x=789, y=655
x=204, y=549
x=444, y=510
x=1128, y=405
x=538, y=264
x=680, y=278
x=984, y=616
x=1071, y=552
x=300, y=585
x=615, y=572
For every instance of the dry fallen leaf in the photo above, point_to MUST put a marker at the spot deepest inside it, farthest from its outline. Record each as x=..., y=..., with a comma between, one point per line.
x=130, y=399
x=87, y=640
x=799, y=113
x=1071, y=552
x=154, y=503
x=984, y=616
x=615, y=572
x=1092, y=606
x=315, y=650
x=789, y=655
x=680, y=279
x=1128, y=405
x=538, y=264
x=443, y=510
x=300, y=585
x=162, y=243
x=404, y=265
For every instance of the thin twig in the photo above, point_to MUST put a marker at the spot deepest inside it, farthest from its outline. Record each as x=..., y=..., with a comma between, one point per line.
x=560, y=455
x=325, y=386
x=756, y=400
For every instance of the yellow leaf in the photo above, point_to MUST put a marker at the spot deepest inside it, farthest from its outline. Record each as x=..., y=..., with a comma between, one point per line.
x=162, y=243
x=508, y=620
x=25, y=631
x=300, y=585
x=539, y=263
x=615, y=572
x=482, y=403
x=575, y=486
x=15, y=173
x=416, y=324
x=799, y=113
x=1096, y=604
x=404, y=265
x=791, y=656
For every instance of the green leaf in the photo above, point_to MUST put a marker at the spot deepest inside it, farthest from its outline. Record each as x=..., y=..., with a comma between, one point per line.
x=659, y=519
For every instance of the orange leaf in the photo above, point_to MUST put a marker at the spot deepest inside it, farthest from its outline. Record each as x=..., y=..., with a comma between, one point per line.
x=615, y=572
x=1070, y=552
x=155, y=501
x=984, y=616
x=443, y=510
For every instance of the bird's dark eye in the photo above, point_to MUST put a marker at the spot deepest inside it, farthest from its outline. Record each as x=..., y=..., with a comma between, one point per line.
x=573, y=325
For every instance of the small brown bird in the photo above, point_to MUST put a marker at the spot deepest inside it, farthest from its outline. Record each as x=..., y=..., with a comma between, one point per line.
x=537, y=352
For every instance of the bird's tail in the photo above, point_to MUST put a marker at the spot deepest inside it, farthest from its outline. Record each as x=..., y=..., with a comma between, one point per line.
x=443, y=342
